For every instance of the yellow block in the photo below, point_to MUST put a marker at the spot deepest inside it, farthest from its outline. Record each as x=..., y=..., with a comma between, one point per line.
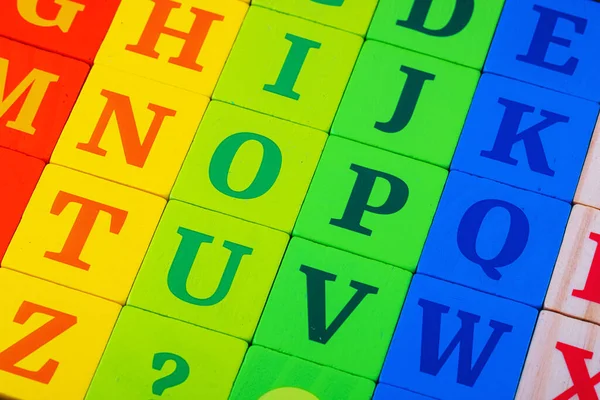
x=184, y=43
x=209, y=269
x=250, y=165
x=51, y=338
x=85, y=233
x=130, y=130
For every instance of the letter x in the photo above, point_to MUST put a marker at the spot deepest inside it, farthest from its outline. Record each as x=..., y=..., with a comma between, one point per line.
x=583, y=384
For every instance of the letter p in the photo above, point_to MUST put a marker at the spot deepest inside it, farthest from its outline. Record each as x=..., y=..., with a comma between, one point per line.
x=358, y=203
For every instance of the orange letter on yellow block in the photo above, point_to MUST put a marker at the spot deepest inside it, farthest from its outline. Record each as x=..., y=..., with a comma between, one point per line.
x=136, y=152
x=37, y=82
x=86, y=218
x=194, y=39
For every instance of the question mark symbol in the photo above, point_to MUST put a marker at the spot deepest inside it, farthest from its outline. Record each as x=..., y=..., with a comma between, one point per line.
x=177, y=377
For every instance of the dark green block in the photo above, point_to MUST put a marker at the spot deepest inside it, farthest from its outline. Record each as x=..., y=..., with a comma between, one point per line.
x=333, y=307
x=269, y=375
x=394, y=237
x=452, y=30
x=406, y=102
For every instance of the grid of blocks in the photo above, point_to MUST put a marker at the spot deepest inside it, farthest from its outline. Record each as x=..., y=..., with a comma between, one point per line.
x=299, y=199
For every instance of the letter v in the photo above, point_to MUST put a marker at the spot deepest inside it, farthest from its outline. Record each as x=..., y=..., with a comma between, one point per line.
x=315, y=288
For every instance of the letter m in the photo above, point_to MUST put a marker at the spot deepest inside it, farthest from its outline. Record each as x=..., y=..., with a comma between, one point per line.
x=31, y=90
x=432, y=362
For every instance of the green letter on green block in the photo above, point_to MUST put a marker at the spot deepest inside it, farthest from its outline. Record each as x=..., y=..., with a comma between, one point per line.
x=266, y=176
x=458, y=21
x=336, y=3
x=184, y=259
x=292, y=66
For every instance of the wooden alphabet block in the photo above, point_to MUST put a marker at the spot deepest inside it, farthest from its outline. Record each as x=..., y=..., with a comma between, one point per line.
x=554, y=46
x=370, y=202
x=18, y=176
x=130, y=130
x=526, y=136
x=74, y=28
x=183, y=43
x=349, y=15
x=269, y=375
x=387, y=392
x=588, y=189
x=495, y=238
x=457, y=31
x=52, y=338
x=209, y=269
x=406, y=102
x=151, y=356
x=325, y=302
x=250, y=165
x=574, y=288
x=37, y=91
x=452, y=342
x=288, y=67
x=563, y=361
x=85, y=233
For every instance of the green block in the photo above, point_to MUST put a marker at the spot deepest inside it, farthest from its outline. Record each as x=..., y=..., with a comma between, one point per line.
x=149, y=357
x=269, y=375
x=209, y=269
x=442, y=28
x=406, y=102
x=333, y=308
x=250, y=165
x=350, y=15
x=371, y=202
x=288, y=67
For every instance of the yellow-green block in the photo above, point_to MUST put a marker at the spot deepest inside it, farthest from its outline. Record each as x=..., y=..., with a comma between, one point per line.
x=250, y=165
x=288, y=67
x=209, y=269
x=150, y=356
x=350, y=15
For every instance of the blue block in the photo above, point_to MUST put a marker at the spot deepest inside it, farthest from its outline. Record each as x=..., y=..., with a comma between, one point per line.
x=551, y=43
x=452, y=342
x=387, y=392
x=526, y=136
x=495, y=238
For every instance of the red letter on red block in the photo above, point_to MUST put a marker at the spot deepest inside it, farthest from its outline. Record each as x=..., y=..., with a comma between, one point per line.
x=74, y=28
x=37, y=91
x=86, y=218
x=18, y=176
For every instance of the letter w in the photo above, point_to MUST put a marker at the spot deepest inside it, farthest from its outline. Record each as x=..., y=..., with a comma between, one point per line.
x=37, y=82
x=136, y=151
x=432, y=362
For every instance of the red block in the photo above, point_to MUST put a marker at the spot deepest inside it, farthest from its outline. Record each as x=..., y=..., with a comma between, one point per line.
x=18, y=176
x=37, y=92
x=74, y=28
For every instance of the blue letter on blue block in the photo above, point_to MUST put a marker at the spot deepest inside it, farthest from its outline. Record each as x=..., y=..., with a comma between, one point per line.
x=509, y=135
x=432, y=362
x=544, y=37
x=452, y=342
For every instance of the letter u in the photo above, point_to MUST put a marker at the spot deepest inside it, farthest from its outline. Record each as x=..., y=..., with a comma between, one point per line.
x=184, y=260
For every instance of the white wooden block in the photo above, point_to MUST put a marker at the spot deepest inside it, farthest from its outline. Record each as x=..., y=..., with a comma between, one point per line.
x=547, y=375
x=588, y=189
x=575, y=285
